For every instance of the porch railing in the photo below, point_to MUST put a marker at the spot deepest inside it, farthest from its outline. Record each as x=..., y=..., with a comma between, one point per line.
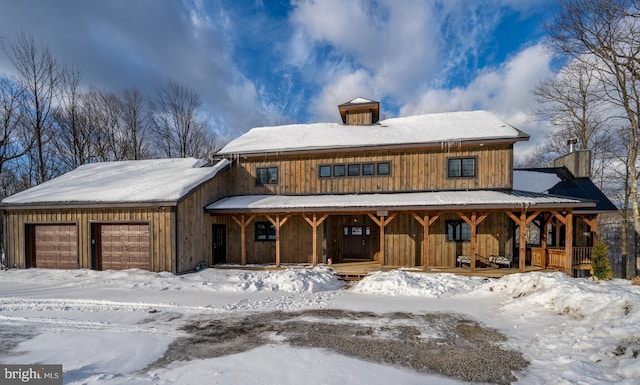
x=556, y=257
x=582, y=255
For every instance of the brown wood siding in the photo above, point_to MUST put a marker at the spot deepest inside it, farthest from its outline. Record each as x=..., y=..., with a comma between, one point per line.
x=414, y=170
x=359, y=118
x=193, y=242
x=493, y=238
x=159, y=219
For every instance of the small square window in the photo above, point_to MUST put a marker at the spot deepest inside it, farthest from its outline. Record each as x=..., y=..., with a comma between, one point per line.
x=353, y=170
x=266, y=175
x=369, y=169
x=384, y=168
x=324, y=171
x=461, y=167
x=339, y=170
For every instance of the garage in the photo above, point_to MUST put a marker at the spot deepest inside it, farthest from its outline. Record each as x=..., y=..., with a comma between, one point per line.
x=54, y=246
x=122, y=246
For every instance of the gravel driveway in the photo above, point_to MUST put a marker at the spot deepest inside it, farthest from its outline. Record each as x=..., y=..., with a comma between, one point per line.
x=440, y=343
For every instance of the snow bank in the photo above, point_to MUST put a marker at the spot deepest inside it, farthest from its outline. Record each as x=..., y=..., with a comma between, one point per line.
x=578, y=298
x=401, y=282
x=291, y=280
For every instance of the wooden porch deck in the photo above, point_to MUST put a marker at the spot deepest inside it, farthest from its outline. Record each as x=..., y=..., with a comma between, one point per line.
x=358, y=270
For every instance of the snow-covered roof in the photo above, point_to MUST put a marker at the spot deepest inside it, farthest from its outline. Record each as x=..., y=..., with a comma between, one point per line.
x=153, y=180
x=534, y=181
x=451, y=127
x=460, y=200
x=358, y=100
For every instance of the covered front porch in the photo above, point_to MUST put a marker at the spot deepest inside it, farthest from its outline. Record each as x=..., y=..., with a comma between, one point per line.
x=428, y=230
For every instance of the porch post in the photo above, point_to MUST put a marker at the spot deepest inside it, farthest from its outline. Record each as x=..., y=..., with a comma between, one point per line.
x=425, y=221
x=277, y=223
x=569, y=244
x=473, y=223
x=522, y=252
x=382, y=223
x=544, y=242
x=243, y=222
x=315, y=222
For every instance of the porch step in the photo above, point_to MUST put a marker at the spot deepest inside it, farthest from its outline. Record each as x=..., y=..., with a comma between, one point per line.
x=351, y=277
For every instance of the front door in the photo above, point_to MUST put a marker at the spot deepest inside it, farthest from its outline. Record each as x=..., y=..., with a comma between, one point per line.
x=356, y=242
x=219, y=243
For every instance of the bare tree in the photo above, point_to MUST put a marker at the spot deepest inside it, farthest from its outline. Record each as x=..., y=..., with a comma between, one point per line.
x=71, y=141
x=179, y=130
x=573, y=105
x=605, y=34
x=134, y=124
x=39, y=74
x=15, y=140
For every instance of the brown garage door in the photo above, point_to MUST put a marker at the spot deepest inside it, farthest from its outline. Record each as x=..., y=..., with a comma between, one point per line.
x=54, y=246
x=123, y=246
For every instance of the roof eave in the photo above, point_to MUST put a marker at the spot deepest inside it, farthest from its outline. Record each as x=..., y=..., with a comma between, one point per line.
x=334, y=149
x=83, y=205
x=357, y=210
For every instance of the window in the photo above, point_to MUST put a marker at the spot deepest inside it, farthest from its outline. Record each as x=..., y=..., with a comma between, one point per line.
x=458, y=231
x=265, y=231
x=353, y=170
x=384, y=168
x=266, y=175
x=324, y=171
x=461, y=167
x=369, y=169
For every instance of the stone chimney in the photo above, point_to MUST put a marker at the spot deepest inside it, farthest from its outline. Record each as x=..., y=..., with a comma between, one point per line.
x=360, y=112
x=578, y=162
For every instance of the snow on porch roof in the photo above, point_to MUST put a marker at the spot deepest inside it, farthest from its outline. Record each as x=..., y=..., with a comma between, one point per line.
x=440, y=200
x=451, y=127
x=134, y=181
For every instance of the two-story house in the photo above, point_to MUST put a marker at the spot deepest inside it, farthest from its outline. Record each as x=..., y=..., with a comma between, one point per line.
x=421, y=191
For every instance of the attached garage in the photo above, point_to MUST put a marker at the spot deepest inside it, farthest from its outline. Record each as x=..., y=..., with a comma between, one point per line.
x=53, y=246
x=122, y=246
x=143, y=214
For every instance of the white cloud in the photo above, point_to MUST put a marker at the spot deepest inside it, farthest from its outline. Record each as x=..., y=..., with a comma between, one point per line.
x=505, y=91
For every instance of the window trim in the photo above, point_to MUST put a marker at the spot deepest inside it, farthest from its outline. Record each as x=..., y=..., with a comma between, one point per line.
x=270, y=236
x=373, y=169
x=320, y=167
x=267, y=168
x=461, y=162
x=388, y=163
x=458, y=236
x=352, y=165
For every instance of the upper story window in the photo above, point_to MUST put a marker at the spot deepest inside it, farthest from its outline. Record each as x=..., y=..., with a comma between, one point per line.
x=339, y=170
x=461, y=167
x=369, y=169
x=353, y=169
x=324, y=171
x=384, y=168
x=266, y=175
x=458, y=231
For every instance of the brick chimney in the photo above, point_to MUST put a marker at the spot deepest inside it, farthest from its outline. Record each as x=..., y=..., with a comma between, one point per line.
x=360, y=112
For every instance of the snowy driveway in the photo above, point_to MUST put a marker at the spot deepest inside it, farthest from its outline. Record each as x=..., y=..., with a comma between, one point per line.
x=302, y=326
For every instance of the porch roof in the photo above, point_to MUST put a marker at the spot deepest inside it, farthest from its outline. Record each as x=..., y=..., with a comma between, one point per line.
x=410, y=201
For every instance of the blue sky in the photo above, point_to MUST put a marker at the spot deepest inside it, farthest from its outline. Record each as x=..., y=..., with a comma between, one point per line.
x=266, y=62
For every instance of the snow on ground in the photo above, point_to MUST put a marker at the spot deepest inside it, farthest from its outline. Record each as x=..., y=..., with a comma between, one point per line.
x=107, y=327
